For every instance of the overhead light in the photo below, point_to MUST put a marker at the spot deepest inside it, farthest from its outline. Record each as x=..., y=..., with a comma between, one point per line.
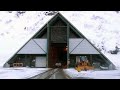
x=66, y=48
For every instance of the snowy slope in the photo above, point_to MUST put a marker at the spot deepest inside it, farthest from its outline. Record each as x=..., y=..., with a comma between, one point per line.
x=100, y=27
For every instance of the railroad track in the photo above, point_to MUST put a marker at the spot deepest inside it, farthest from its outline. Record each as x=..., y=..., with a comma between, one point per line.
x=51, y=74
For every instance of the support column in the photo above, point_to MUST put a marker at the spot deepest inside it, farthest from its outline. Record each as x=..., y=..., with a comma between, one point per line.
x=68, y=59
x=91, y=59
x=48, y=38
x=26, y=60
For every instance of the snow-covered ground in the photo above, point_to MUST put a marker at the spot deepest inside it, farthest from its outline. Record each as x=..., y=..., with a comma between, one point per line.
x=93, y=74
x=20, y=73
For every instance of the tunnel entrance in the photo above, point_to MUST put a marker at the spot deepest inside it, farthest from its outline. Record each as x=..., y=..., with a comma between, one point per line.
x=58, y=55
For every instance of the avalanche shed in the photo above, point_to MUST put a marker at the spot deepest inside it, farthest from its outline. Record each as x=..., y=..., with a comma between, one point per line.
x=58, y=41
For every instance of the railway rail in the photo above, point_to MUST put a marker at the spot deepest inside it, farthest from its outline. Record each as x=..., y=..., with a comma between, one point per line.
x=51, y=74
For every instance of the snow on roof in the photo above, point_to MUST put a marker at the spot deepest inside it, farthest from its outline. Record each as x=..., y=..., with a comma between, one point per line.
x=100, y=27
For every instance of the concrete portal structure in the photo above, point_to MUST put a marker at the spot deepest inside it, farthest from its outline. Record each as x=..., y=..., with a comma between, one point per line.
x=58, y=41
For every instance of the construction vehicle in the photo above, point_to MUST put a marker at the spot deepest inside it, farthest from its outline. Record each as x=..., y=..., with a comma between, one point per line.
x=83, y=66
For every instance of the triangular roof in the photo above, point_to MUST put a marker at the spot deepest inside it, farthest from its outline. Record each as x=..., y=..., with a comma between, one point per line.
x=71, y=26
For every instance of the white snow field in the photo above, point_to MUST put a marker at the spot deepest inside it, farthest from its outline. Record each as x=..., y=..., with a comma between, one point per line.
x=93, y=74
x=20, y=73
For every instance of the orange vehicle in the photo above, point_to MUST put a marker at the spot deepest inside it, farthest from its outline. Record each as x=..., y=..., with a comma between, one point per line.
x=83, y=66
